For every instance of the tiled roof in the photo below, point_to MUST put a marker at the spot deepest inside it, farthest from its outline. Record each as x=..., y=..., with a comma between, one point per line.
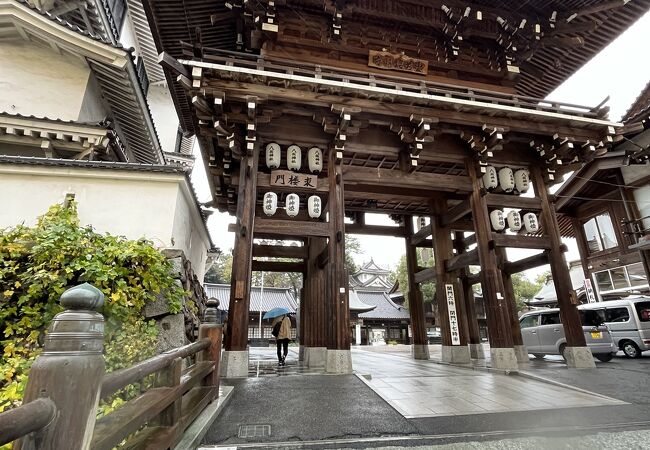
x=271, y=298
x=35, y=161
x=356, y=305
x=48, y=119
x=385, y=308
x=640, y=109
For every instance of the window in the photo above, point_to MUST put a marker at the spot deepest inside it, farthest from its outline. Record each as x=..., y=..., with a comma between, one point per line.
x=529, y=321
x=643, y=309
x=603, y=281
x=592, y=317
x=599, y=233
x=551, y=318
x=637, y=275
x=617, y=315
x=619, y=278
x=623, y=277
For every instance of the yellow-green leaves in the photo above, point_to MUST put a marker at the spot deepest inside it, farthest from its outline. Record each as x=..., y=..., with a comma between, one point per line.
x=38, y=264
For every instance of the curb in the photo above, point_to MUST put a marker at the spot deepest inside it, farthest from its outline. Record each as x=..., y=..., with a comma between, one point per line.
x=194, y=434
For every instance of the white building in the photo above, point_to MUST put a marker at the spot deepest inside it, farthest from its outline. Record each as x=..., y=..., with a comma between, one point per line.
x=85, y=110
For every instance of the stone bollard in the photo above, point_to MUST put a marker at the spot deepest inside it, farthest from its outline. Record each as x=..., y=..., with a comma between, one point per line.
x=69, y=372
x=212, y=330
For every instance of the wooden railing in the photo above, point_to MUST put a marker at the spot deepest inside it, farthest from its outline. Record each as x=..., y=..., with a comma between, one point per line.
x=67, y=382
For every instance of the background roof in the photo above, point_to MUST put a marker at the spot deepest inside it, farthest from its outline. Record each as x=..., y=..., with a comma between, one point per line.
x=272, y=297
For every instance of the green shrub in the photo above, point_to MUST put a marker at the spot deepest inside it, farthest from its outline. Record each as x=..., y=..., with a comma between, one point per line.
x=38, y=263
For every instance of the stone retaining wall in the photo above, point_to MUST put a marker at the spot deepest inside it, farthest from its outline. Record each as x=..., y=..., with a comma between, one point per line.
x=182, y=328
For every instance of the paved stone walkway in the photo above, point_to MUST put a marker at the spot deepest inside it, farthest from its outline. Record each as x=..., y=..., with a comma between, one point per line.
x=425, y=389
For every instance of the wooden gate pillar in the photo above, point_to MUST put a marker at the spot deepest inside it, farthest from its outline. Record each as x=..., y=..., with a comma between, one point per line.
x=339, y=359
x=314, y=320
x=419, y=344
x=576, y=352
x=496, y=309
x=511, y=302
x=235, y=360
x=449, y=297
x=475, y=344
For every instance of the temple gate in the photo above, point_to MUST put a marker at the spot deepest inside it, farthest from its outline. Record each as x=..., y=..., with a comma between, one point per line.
x=313, y=117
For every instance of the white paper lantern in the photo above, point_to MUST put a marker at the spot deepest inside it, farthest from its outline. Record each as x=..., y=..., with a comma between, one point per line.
x=497, y=220
x=531, y=223
x=506, y=179
x=315, y=159
x=490, y=180
x=294, y=157
x=293, y=205
x=314, y=206
x=514, y=220
x=522, y=180
x=270, y=203
x=273, y=155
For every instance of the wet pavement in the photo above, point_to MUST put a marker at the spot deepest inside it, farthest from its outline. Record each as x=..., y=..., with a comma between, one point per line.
x=426, y=389
x=307, y=409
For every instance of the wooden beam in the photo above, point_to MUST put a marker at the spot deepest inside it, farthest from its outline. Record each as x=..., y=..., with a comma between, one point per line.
x=516, y=241
x=278, y=266
x=525, y=263
x=375, y=230
x=513, y=201
x=425, y=275
x=415, y=298
x=323, y=258
x=427, y=243
x=279, y=251
x=456, y=213
x=421, y=236
x=561, y=278
x=167, y=61
x=396, y=180
x=282, y=227
x=463, y=260
x=240, y=90
x=474, y=278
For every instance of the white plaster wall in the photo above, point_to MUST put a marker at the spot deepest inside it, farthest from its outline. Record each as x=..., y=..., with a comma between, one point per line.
x=93, y=108
x=189, y=233
x=164, y=115
x=132, y=206
x=38, y=81
x=642, y=197
x=127, y=34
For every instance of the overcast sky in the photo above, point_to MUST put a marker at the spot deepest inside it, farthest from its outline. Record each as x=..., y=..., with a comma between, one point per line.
x=621, y=71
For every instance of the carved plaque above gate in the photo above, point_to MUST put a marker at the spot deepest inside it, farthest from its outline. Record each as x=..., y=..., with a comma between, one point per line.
x=397, y=61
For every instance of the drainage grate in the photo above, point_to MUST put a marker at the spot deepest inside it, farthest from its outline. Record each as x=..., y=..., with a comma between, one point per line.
x=254, y=431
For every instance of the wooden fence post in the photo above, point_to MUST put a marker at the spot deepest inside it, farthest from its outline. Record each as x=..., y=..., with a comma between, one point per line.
x=69, y=372
x=171, y=377
x=213, y=331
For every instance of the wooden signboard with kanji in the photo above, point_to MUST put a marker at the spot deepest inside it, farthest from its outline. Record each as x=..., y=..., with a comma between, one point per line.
x=293, y=179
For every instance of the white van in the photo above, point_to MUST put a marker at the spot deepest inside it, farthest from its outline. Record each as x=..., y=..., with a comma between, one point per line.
x=628, y=321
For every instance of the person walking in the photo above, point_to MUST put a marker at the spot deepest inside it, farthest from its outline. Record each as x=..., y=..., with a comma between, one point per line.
x=283, y=324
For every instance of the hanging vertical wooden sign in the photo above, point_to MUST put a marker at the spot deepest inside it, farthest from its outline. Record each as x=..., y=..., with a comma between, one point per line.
x=453, y=317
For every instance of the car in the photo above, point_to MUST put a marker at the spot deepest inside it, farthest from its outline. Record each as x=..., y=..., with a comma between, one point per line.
x=543, y=334
x=628, y=320
x=434, y=337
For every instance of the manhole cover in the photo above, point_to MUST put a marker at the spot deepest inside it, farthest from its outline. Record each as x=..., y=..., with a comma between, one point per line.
x=254, y=431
